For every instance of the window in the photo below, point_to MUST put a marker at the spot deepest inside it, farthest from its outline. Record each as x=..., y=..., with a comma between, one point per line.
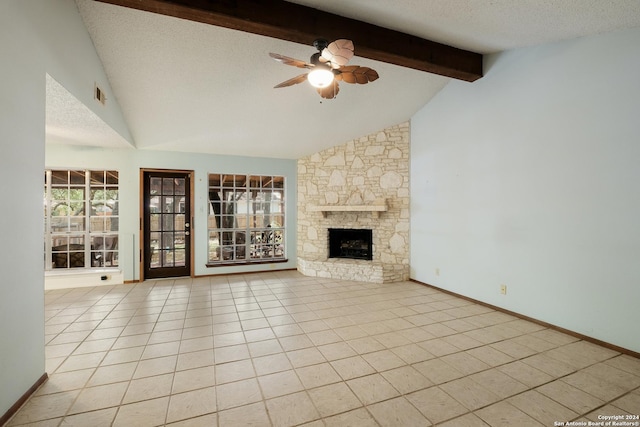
x=81, y=219
x=246, y=218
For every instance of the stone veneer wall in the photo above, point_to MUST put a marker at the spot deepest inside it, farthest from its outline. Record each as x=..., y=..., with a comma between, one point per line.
x=359, y=172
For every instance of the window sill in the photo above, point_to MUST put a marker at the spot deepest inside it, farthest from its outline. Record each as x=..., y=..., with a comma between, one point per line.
x=81, y=271
x=231, y=264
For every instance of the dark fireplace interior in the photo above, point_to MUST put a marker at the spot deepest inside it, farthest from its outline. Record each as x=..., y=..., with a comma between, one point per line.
x=350, y=243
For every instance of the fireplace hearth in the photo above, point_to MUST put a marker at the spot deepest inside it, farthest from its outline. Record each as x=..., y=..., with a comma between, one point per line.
x=351, y=243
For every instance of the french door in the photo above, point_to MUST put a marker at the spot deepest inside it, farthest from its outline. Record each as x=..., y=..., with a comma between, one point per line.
x=166, y=224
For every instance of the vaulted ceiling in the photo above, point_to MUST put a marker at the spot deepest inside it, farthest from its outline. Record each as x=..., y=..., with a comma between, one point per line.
x=191, y=86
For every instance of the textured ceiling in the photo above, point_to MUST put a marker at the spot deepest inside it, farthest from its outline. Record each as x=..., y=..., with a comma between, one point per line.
x=69, y=121
x=188, y=86
x=489, y=26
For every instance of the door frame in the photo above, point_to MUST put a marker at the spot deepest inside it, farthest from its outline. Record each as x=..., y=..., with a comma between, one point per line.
x=141, y=216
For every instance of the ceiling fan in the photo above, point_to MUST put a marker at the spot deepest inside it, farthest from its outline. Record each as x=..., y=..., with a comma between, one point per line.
x=327, y=67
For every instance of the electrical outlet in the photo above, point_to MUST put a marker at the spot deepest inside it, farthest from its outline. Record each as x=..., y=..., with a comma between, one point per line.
x=437, y=271
x=503, y=289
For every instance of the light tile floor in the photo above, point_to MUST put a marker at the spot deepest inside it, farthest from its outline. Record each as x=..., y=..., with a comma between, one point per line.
x=282, y=349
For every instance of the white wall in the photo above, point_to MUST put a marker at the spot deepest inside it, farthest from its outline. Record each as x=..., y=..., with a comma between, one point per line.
x=36, y=37
x=22, y=90
x=529, y=177
x=129, y=162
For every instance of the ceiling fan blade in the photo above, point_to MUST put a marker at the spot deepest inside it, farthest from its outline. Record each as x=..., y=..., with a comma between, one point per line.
x=293, y=81
x=338, y=53
x=290, y=61
x=329, y=92
x=357, y=74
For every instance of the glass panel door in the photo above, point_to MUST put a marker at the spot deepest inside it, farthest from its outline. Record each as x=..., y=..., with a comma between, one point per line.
x=167, y=224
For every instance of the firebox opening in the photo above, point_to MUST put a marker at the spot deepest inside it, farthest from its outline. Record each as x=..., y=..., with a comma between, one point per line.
x=350, y=243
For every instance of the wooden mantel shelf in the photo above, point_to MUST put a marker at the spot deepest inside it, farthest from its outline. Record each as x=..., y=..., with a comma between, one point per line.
x=374, y=208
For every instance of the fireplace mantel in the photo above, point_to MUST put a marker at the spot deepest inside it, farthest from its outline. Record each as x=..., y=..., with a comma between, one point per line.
x=375, y=208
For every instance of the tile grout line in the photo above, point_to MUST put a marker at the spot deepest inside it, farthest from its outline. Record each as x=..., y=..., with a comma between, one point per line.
x=320, y=301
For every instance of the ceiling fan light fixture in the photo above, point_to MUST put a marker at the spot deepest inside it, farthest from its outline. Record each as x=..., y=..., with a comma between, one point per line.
x=327, y=67
x=321, y=76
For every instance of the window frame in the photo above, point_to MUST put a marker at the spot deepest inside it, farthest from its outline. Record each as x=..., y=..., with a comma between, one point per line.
x=246, y=219
x=88, y=232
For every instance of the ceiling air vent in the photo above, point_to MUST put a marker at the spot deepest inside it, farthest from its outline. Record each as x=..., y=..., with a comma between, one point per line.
x=99, y=94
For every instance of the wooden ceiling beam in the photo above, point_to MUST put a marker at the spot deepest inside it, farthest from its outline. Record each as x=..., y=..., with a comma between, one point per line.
x=301, y=24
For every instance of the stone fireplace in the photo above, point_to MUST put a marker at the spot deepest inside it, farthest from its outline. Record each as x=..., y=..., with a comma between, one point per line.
x=360, y=185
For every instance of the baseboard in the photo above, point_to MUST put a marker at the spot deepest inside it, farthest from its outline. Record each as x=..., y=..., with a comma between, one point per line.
x=236, y=273
x=11, y=412
x=538, y=322
x=69, y=278
x=129, y=282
